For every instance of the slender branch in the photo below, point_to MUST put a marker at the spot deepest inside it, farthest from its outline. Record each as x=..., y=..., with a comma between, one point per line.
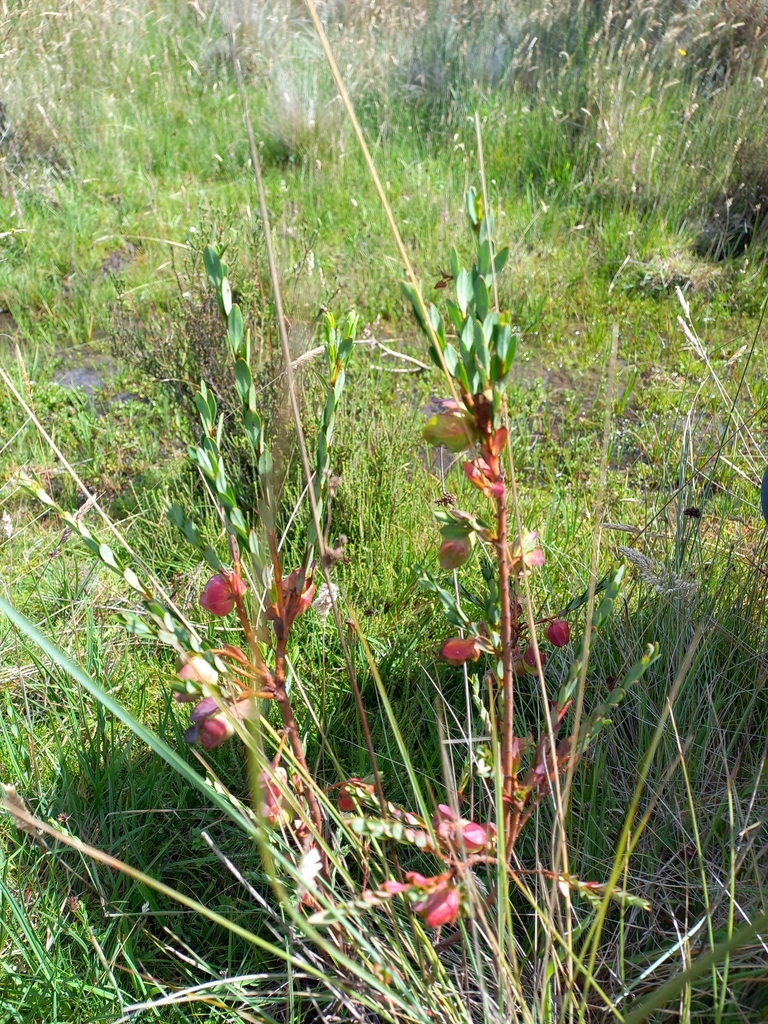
x=250, y=636
x=292, y=732
x=508, y=676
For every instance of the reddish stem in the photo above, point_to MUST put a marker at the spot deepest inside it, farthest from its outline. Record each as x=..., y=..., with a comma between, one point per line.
x=292, y=732
x=508, y=676
x=250, y=636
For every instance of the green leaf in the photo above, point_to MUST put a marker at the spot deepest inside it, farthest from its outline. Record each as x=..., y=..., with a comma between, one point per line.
x=467, y=337
x=213, y=266
x=410, y=293
x=456, y=531
x=455, y=315
x=578, y=602
x=237, y=519
x=503, y=341
x=500, y=259
x=604, y=609
x=482, y=352
x=107, y=555
x=464, y=291
x=235, y=331
x=482, y=303
x=265, y=464
x=437, y=323
x=455, y=265
x=243, y=380
x=471, y=200
x=599, y=717
x=253, y=427
x=489, y=323
x=205, y=416
x=133, y=580
x=226, y=296
x=451, y=357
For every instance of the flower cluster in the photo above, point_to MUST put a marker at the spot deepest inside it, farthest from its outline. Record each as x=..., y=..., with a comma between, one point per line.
x=437, y=899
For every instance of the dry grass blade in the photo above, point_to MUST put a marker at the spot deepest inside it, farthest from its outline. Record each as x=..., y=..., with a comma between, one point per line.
x=283, y=333
x=403, y=252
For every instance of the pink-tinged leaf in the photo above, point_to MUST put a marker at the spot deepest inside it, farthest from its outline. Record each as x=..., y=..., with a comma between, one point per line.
x=273, y=804
x=499, y=441
x=479, y=473
x=417, y=879
x=445, y=813
x=559, y=714
x=197, y=670
x=530, y=555
x=476, y=837
x=450, y=405
x=459, y=650
x=393, y=888
x=306, y=599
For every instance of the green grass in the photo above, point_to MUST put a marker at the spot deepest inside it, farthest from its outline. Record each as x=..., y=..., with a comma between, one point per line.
x=142, y=143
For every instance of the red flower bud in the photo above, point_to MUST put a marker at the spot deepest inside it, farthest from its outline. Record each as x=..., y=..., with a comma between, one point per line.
x=459, y=650
x=273, y=806
x=212, y=726
x=215, y=730
x=454, y=553
x=529, y=659
x=440, y=907
x=455, y=431
x=558, y=633
x=219, y=593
